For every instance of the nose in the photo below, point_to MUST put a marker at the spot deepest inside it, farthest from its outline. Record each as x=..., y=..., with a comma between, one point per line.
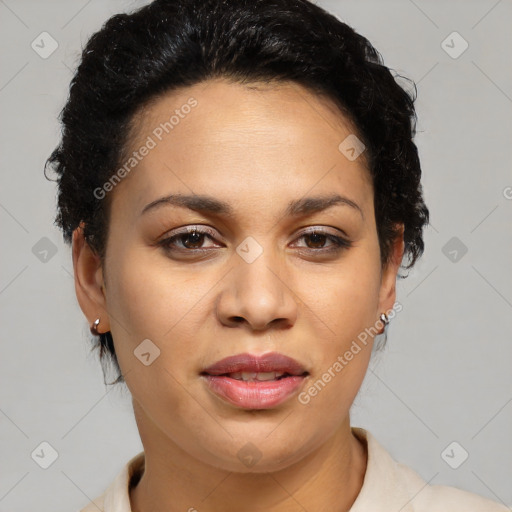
x=257, y=295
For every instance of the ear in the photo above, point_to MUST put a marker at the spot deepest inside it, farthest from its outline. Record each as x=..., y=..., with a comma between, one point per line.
x=89, y=284
x=387, y=294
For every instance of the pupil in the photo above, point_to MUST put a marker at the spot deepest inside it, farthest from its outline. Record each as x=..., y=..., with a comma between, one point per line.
x=196, y=238
x=317, y=239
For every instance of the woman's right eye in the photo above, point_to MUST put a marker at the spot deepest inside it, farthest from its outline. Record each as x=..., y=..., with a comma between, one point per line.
x=188, y=241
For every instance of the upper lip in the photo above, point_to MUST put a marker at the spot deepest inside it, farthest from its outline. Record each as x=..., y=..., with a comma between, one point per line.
x=269, y=362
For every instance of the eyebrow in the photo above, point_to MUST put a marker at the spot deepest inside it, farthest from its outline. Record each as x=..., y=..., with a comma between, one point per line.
x=211, y=205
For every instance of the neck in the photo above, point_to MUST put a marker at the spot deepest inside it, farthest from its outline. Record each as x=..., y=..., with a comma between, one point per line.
x=329, y=478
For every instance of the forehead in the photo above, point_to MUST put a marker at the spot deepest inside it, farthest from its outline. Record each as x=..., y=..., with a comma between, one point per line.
x=231, y=140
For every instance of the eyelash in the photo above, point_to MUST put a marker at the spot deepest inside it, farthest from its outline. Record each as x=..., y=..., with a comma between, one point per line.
x=340, y=243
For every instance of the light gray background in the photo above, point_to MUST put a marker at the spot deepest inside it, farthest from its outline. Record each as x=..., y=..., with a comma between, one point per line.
x=445, y=374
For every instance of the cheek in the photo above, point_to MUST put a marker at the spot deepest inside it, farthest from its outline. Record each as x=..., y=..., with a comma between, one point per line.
x=149, y=302
x=346, y=297
x=151, y=298
x=148, y=297
x=345, y=304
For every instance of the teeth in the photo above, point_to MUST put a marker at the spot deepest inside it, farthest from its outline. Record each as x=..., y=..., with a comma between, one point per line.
x=268, y=375
x=252, y=376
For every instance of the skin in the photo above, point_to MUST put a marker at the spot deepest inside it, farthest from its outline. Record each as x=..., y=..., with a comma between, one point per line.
x=256, y=148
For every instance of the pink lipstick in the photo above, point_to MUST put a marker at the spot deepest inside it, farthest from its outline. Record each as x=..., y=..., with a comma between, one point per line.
x=255, y=382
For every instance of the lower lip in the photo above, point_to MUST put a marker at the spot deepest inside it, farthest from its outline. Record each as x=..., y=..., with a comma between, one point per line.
x=256, y=394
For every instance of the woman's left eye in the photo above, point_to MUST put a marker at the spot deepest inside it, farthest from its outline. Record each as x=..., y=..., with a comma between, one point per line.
x=193, y=240
x=318, y=239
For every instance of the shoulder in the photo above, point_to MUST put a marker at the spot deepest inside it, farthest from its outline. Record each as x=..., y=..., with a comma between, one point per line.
x=95, y=506
x=433, y=498
x=389, y=486
x=116, y=497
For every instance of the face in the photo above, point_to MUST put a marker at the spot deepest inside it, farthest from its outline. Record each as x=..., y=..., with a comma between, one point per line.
x=284, y=259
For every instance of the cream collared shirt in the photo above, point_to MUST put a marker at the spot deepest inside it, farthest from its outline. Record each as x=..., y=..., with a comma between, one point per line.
x=387, y=487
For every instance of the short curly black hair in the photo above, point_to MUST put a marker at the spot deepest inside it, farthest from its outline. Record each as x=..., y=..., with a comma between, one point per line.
x=170, y=44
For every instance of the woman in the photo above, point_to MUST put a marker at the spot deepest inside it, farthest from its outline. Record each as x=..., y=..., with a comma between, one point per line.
x=240, y=185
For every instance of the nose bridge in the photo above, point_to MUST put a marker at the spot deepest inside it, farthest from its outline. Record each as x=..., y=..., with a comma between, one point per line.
x=256, y=289
x=261, y=276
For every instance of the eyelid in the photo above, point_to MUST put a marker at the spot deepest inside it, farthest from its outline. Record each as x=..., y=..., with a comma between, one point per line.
x=322, y=230
x=192, y=228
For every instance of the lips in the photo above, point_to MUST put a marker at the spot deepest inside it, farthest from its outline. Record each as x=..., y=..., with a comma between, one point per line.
x=252, y=364
x=255, y=382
